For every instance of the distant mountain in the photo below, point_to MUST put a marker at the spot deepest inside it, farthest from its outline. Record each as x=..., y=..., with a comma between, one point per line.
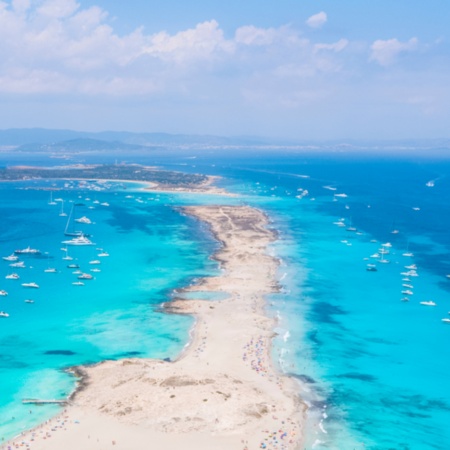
x=47, y=140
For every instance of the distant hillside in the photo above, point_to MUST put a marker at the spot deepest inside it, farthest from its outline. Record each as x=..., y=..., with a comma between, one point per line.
x=46, y=140
x=78, y=145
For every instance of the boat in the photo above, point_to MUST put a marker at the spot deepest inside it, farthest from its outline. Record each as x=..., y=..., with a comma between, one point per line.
x=12, y=257
x=85, y=276
x=407, y=292
x=30, y=285
x=80, y=240
x=66, y=230
x=51, y=202
x=62, y=213
x=104, y=204
x=409, y=254
x=428, y=303
x=409, y=286
x=12, y=276
x=83, y=219
x=405, y=299
x=95, y=270
x=430, y=183
x=383, y=261
x=29, y=301
x=371, y=268
x=73, y=266
x=446, y=320
x=27, y=251
x=411, y=267
x=67, y=257
x=341, y=195
x=20, y=265
x=50, y=270
x=103, y=254
x=3, y=314
x=3, y=293
x=95, y=261
x=78, y=283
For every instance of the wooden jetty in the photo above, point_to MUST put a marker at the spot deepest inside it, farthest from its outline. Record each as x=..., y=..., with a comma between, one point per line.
x=37, y=401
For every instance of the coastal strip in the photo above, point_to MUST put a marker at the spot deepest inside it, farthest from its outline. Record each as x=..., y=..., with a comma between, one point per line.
x=223, y=392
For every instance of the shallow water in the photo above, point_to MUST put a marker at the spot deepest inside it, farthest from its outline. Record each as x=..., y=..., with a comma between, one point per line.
x=374, y=369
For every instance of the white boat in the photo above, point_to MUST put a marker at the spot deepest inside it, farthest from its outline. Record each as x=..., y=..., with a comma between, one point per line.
x=29, y=301
x=20, y=265
x=3, y=314
x=411, y=267
x=62, y=213
x=371, y=268
x=428, y=303
x=50, y=270
x=66, y=230
x=27, y=251
x=85, y=276
x=405, y=299
x=409, y=254
x=80, y=240
x=104, y=204
x=446, y=320
x=12, y=257
x=407, y=292
x=383, y=261
x=51, y=202
x=95, y=269
x=341, y=195
x=408, y=286
x=12, y=276
x=30, y=285
x=103, y=254
x=430, y=183
x=78, y=283
x=95, y=261
x=84, y=220
x=3, y=293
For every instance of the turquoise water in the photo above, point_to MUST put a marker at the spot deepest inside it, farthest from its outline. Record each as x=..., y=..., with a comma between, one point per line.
x=374, y=369
x=152, y=249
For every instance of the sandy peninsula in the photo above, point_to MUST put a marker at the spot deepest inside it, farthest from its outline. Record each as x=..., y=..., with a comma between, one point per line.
x=222, y=393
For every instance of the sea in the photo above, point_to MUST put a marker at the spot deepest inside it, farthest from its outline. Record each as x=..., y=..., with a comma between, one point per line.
x=364, y=268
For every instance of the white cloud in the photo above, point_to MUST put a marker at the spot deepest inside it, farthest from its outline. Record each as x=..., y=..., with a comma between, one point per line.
x=385, y=52
x=335, y=47
x=317, y=20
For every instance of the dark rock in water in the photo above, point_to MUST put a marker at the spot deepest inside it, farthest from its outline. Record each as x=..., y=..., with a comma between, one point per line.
x=60, y=352
x=358, y=376
x=303, y=378
x=167, y=360
x=128, y=354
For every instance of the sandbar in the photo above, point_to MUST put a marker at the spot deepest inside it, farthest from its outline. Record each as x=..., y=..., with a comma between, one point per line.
x=223, y=392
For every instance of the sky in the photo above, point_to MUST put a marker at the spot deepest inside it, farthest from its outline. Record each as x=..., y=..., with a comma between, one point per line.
x=297, y=69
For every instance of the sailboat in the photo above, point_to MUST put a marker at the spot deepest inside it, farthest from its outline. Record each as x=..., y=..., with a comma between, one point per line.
x=51, y=202
x=62, y=213
x=66, y=230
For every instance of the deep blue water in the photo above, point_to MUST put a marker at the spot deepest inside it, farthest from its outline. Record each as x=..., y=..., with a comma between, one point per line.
x=374, y=369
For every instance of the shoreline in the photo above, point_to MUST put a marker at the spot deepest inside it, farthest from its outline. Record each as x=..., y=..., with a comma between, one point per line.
x=237, y=385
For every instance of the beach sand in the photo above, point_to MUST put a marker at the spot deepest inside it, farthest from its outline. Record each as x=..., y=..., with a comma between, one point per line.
x=223, y=392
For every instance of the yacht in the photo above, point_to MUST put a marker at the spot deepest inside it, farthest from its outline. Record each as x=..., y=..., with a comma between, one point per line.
x=73, y=266
x=95, y=270
x=85, y=276
x=78, y=283
x=12, y=276
x=411, y=267
x=83, y=219
x=3, y=314
x=3, y=292
x=50, y=270
x=80, y=240
x=409, y=286
x=29, y=301
x=428, y=303
x=103, y=254
x=371, y=268
x=12, y=257
x=446, y=320
x=410, y=254
x=405, y=299
x=27, y=251
x=30, y=285
x=95, y=261
x=104, y=204
x=407, y=292
x=19, y=264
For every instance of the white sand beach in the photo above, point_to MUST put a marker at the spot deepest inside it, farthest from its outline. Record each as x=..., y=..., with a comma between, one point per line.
x=223, y=392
